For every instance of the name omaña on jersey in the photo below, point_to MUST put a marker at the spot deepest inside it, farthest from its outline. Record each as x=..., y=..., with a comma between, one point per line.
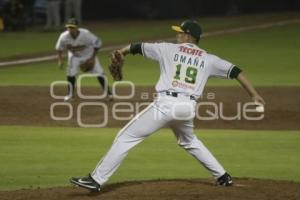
x=189, y=60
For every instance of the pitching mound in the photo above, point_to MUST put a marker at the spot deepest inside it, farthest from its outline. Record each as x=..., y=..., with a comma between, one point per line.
x=244, y=189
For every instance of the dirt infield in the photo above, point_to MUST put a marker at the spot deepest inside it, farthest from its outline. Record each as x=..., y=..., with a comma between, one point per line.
x=31, y=106
x=196, y=189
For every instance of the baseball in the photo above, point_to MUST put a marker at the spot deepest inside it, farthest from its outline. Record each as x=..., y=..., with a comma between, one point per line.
x=260, y=109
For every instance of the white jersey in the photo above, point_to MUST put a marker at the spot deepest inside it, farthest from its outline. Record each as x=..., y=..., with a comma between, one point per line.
x=83, y=46
x=185, y=68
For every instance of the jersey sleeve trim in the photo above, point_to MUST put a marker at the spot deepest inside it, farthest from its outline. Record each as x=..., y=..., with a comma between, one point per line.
x=136, y=48
x=234, y=72
x=97, y=43
x=229, y=71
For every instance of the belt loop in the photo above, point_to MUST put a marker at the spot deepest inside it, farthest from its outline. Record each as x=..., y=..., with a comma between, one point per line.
x=175, y=94
x=192, y=98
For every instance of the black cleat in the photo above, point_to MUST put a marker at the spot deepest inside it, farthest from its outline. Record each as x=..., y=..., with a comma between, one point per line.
x=225, y=180
x=86, y=182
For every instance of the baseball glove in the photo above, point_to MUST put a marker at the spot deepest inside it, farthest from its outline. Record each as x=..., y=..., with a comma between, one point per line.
x=116, y=64
x=87, y=65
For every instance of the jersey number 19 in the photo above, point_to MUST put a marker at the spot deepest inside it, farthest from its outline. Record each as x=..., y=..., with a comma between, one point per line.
x=190, y=74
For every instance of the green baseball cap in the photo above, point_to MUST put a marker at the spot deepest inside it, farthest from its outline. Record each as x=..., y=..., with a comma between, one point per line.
x=189, y=27
x=72, y=23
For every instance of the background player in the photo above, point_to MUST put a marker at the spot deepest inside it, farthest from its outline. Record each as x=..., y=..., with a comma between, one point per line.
x=184, y=70
x=82, y=48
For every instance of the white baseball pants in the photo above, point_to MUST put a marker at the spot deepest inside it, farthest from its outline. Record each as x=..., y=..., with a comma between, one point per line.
x=175, y=112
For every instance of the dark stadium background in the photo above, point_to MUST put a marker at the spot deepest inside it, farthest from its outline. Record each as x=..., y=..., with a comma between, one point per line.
x=161, y=9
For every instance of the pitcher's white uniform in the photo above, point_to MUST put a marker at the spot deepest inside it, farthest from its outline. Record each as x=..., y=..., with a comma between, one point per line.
x=79, y=50
x=184, y=71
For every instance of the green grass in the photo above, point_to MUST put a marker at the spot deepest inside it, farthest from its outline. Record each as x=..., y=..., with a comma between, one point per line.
x=269, y=58
x=46, y=157
x=35, y=41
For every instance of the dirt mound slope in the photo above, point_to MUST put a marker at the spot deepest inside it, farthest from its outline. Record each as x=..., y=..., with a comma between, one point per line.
x=245, y=189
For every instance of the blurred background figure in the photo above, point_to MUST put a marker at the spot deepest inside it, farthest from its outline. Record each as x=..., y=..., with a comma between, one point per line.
x=13, y=14
x=1, y=15
x=29, y=12
x=52, y=15
x=73, y=9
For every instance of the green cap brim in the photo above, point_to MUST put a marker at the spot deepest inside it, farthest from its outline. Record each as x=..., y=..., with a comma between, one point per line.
x=177, y=29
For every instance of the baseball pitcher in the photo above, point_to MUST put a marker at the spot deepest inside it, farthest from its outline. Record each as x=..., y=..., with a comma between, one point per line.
x=82, y=48
x=184, y=71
